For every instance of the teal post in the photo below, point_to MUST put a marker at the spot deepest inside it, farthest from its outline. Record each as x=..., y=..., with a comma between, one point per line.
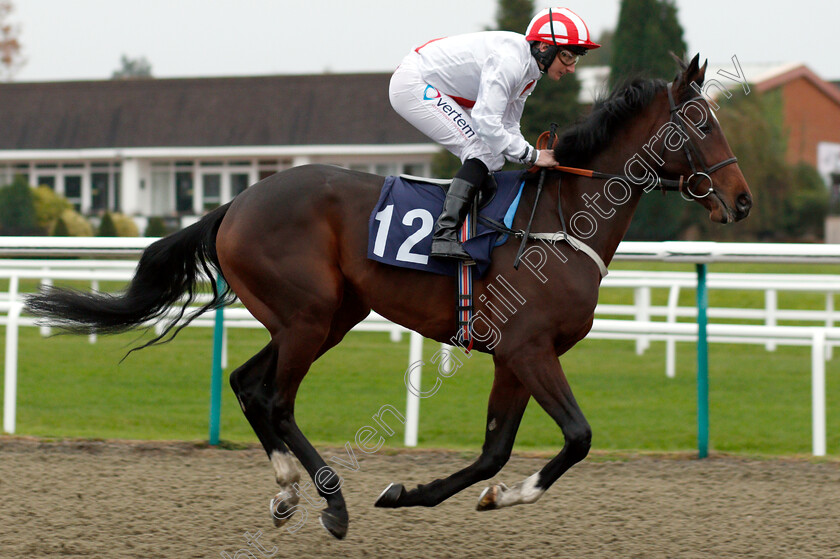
x=702, y=364
x=216, y=371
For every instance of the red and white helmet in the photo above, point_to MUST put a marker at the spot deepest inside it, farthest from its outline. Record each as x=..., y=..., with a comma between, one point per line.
x=559, y=26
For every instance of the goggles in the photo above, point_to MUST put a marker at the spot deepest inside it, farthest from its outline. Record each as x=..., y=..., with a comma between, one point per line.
x=567, y=57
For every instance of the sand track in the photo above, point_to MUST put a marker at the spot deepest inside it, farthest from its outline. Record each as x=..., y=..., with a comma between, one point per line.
x=112, y=499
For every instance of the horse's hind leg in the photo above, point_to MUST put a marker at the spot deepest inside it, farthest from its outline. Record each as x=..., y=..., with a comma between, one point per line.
x=543, y=376
x=334, y=518
x=292, y=353
x=253, y=384
x=508, y=400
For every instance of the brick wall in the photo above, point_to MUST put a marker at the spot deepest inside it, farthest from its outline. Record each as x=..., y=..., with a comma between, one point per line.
x=811, y=117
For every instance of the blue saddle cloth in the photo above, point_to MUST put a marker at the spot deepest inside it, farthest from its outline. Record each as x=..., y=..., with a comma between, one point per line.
x=402, y=223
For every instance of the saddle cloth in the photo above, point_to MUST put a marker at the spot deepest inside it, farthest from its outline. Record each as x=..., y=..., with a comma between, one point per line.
x=403, y=220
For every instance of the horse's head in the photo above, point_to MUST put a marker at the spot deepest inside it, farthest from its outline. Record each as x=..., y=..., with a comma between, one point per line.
x=699, y=150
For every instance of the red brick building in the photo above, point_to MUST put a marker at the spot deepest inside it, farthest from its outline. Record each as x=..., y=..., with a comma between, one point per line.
x=811, y=110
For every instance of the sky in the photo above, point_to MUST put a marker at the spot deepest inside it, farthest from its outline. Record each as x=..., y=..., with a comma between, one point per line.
x=85, y=39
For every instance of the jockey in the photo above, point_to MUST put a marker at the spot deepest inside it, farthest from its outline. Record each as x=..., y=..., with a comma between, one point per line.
x=467, y=93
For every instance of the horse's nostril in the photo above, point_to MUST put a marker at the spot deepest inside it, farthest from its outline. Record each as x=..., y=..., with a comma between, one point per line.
x=744, y=202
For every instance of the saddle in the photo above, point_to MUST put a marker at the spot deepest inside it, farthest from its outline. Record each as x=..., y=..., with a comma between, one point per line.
x=402, y=222
x=486, y=191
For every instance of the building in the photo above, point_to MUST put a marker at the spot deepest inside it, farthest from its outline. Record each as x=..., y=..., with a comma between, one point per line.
x=811, y=111
x=178, y=147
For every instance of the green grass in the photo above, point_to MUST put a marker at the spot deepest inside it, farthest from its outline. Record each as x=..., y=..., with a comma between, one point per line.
x=760, y=401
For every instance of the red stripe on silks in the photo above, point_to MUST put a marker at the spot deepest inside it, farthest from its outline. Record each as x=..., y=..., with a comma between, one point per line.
x=466, y=103
x=527, y=87
x=417, y=50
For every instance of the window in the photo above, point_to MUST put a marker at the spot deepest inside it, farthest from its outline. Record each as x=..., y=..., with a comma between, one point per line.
x=48, y=181
x=184, y=192
x=385, y=169
x=238, y=183
x=99, y=191
x=73, y=190
x=416, y=169
x=211, y=191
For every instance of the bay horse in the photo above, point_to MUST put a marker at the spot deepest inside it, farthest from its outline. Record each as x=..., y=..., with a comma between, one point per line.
x=293, y=249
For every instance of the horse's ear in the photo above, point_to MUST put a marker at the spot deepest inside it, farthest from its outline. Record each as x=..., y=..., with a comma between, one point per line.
x=680, y=62
x=701, y=73
x=691, y=73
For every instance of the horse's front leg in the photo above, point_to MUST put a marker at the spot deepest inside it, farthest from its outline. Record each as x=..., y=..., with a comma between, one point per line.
x=508, y=400
x=542, y=375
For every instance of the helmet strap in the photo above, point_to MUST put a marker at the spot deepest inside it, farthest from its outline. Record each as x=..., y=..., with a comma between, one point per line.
x=546, y=57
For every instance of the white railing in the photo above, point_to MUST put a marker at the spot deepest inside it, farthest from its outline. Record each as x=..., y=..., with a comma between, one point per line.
x=821, y=335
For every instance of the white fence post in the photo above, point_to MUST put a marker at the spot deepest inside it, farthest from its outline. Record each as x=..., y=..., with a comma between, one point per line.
x=671, y=342
x=94, y=285
x=642, y=297
x=46, y=282
x=412, y=405
x=10, y=372
x=818, y=392
x=771, y=304
x=829, y=322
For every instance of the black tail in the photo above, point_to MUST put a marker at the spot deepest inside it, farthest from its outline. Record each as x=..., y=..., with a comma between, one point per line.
x=169, y=269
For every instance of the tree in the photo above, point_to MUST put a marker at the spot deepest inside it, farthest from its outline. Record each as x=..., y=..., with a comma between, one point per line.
x=790, y=201
x=601, y=56
x=61, y=229
x=17, y=209
x=107, y=228
x=514, y=15
x=133, y=69
x=11, y=57
x=49, y=205
x=647, y=31
x=72, y=224
x=157, y=227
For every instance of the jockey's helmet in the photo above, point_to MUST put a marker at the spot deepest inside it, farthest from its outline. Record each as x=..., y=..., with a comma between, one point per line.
x=560, y=28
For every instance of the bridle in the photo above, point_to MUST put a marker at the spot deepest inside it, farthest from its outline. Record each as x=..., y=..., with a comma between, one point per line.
x=681, y=185
x=689, y=148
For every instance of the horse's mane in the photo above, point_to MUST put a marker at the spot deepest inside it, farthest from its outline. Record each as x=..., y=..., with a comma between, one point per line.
x=591, y=134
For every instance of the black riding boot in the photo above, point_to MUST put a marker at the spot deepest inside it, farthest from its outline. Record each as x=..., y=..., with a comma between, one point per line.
x=458, y=200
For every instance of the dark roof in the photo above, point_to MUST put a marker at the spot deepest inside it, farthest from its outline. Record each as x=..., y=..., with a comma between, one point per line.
x=202, y=112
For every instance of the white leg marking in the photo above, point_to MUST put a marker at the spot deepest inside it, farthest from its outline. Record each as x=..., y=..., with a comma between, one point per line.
x=522, y=493
x=285, y=470
x=286, y=473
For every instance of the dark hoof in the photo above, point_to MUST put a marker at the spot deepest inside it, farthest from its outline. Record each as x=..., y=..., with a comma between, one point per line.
x=335, y=524
x=282, y=507
x=389, y=498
